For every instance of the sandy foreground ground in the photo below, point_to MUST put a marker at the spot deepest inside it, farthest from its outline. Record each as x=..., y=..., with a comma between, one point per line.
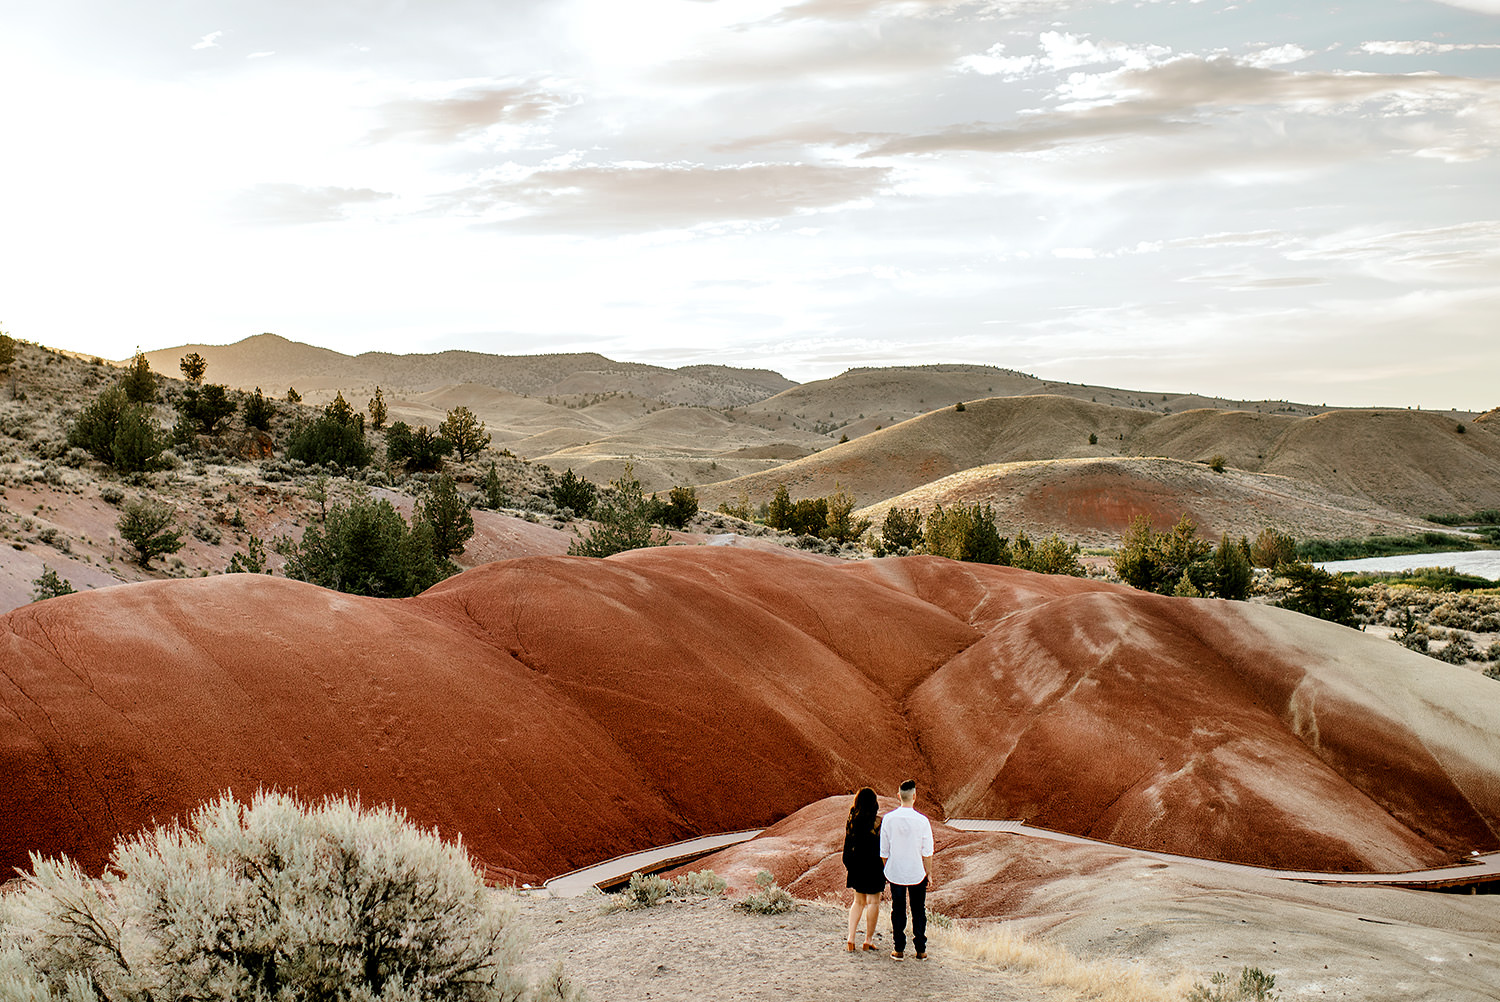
x=1319, y=942
x=700, y=950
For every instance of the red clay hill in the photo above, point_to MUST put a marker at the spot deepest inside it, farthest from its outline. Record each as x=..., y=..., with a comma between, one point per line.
x=559, y=710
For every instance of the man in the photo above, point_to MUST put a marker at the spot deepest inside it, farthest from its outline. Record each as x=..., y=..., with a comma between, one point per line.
x=906, y=852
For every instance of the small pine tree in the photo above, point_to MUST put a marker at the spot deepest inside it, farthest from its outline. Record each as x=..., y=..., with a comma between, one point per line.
x=623, y=522
x=258, y=411
x=448, y=514
x=340, y=411
x=292, y=396
x=494, y=490
x=146, y=525
x=840, y=525
x=377, y=410
x=252, y=561
x=574, y=493
x=139, y=382
x=779, y=514
x=465, y=431
x=7, y=352
x=193, y=366
x=1093, y=438
x=49, y=584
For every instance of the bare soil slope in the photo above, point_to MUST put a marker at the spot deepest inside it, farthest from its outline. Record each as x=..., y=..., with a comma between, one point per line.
x=558, y=711
x=1093, y=501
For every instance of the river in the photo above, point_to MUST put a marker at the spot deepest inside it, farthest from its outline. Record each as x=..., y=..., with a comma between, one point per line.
x=1484, y=563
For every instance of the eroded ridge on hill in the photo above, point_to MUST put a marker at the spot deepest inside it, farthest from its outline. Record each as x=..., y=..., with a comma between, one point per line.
x=557, y=711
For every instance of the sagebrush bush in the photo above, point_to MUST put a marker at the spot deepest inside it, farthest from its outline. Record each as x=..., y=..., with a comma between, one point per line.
x=771, y=899
x=1254, y=985
x=270, y=900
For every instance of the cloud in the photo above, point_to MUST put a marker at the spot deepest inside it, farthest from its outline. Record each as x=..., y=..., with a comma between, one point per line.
x=1043, y=132
x=209, y=41
x=294, y=204
x=656, y=197
x=445, y=119
x=1062, y=51
x=1483, y=6
x=1422, y=48
x=1189, y=92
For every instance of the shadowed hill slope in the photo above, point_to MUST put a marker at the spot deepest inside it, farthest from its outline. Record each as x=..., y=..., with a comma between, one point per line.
x=557, y=711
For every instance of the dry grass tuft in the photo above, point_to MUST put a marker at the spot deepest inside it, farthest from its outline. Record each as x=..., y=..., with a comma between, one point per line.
x=1052, y=965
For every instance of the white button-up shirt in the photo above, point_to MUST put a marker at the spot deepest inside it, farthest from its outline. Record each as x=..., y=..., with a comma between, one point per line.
x=905, y=837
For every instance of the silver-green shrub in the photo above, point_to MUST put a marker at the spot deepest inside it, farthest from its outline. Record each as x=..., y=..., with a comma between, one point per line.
x=271, y=900
x=771, y=899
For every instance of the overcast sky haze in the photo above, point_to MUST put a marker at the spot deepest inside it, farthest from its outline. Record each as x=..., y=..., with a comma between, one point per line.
x=1255, y=199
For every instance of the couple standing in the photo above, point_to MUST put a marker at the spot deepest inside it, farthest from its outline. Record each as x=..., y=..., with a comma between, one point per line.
x=895, y=848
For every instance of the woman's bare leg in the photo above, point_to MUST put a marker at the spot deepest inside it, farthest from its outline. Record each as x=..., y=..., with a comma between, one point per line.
x=856, y=908
x=872, y=915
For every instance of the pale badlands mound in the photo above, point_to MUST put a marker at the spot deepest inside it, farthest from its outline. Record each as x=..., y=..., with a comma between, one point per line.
x=1093, y=501
x=894, y=460
x=1412, y=462
x=556, y=711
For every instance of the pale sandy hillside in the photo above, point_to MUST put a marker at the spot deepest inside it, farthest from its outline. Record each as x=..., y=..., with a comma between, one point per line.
x=1092, y=501
x=1416, y=461
x=934, y=445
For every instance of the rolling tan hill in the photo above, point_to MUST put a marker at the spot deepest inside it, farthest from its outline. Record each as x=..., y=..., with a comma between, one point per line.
x=863, y=400
x=558, y=711
x=1414, y=463
x=926, y=448
x=1093, y=501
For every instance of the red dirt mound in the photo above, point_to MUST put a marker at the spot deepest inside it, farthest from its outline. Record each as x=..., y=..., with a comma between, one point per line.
x=556, y=711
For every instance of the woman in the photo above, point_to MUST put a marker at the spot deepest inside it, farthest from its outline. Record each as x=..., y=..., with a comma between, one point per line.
x=862, y=861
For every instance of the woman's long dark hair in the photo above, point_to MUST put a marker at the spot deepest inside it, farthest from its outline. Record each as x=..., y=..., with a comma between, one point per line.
x=864, y=816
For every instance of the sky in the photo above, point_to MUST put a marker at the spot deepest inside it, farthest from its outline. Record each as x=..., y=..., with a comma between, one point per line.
x=1259, y=199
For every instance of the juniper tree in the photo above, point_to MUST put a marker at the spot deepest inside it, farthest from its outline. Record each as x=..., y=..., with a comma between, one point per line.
x=147, y=526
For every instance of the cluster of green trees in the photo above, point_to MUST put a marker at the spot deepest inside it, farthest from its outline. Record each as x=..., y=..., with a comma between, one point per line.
x=970, y=533
x=119, y=428
x=365, y=547
x=625, y=516
x=830, y=517
x=1177, y=562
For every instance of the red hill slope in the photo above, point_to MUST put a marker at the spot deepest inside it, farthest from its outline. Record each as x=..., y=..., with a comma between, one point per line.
x=556, y=711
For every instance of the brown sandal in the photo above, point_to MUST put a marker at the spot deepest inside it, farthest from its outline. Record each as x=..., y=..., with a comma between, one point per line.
x=849, y=946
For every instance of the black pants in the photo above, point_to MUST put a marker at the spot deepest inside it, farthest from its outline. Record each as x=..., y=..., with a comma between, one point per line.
x=918, y=894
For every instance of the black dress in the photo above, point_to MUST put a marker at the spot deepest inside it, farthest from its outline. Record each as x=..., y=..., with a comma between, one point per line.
x=862, y=860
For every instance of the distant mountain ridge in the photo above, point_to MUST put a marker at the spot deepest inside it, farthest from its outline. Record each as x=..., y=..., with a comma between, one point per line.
x=274, y=363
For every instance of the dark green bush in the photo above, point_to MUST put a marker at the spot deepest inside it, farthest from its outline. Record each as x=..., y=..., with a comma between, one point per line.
x=1315, y=592
x=901, y=529
x=367, y=548
x=420, y=449
x=258, y=411
x=574, y=493
x=206, y=406
x=327, y=441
